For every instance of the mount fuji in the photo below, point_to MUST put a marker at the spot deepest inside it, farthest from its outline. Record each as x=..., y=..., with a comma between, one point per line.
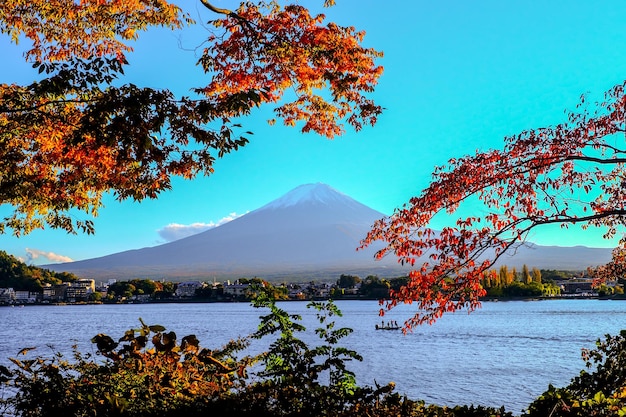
x=311, y=232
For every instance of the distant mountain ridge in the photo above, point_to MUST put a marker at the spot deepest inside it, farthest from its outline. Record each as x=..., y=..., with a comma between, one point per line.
x=311, y=232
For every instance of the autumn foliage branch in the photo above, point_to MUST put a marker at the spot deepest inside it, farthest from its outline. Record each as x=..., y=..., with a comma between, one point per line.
x=568, y=174
x=79, y=133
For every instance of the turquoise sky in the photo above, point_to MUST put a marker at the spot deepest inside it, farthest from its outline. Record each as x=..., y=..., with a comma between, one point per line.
x=459, y=76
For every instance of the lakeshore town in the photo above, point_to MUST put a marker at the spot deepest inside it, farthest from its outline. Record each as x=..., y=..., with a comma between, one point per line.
x=346, y=287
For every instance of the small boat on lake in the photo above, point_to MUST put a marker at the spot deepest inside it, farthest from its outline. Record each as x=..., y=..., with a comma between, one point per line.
x=387, y=328
x=391, y=325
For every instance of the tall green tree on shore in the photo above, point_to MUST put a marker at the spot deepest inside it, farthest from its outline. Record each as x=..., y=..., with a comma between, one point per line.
x=78, y=131
x=569, y=174
x=348, y=281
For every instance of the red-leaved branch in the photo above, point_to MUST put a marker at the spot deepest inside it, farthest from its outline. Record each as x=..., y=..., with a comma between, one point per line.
x=572, y=173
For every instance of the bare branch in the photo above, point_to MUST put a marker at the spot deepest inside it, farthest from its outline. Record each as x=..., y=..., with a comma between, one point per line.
x=596, y=160
x=214, y=9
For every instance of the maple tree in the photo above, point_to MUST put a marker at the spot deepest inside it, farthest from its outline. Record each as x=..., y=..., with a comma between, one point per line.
x=572, y=173
x=78, y=132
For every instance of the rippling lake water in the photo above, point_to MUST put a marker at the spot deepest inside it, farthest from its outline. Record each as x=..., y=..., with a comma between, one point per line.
x=503, y=354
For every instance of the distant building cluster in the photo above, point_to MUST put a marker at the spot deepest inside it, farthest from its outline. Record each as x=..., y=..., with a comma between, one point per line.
x=580, y=287
x=86, y=290
x=71, y=292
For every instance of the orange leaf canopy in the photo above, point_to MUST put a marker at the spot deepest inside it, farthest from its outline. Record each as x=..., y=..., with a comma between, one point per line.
x=79, y=132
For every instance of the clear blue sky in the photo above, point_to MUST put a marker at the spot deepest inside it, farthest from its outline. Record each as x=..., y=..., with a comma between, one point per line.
x=459, y=76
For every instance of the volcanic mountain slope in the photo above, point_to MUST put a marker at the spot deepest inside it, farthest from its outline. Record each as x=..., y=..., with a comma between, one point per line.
x=311, y=232
x=565, y=258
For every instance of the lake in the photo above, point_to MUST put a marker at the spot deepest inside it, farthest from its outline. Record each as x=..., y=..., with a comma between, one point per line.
x=503, y=354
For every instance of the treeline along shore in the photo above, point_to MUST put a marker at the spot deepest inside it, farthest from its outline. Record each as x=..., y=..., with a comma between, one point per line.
x=22, y=284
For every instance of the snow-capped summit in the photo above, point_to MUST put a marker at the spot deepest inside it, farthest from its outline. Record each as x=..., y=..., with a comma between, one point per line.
x=317, y=193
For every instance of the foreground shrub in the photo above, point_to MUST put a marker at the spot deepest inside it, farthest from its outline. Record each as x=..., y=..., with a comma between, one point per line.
x=133, y=380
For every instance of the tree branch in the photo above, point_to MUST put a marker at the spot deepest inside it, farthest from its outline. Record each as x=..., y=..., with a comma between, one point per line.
x=214, y=9
x=596, y=160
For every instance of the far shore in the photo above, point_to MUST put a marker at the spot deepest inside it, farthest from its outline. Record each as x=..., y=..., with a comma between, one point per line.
x=193, y=300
